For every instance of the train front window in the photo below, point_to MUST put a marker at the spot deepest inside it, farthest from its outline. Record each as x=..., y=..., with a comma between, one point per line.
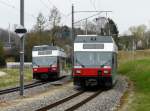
x=44, y=61
x=93, y=59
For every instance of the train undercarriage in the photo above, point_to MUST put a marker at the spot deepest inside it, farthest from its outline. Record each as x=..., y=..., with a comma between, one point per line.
x=93, y=81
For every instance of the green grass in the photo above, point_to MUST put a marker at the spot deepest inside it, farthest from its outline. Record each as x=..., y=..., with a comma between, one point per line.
x=138, y=71
x=12, y=77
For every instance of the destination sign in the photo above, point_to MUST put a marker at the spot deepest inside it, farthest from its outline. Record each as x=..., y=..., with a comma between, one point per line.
x=93, y=46
x=45, y=52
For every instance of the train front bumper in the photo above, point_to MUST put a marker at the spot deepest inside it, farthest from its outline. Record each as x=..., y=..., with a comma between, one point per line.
x=101, y=80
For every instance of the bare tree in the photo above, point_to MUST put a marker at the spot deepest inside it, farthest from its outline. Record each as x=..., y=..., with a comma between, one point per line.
x=40, y=23
x=54, y=19
x=89, y=27
x=138, y=34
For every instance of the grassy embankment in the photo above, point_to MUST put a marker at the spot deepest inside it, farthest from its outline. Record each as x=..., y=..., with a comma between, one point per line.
x=12, y=77
x=137, y=68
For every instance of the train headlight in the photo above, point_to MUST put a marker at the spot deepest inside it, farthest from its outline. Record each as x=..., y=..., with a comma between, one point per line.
x=54, y=68
x=78, y=71
x=106, y=72
x=35, y=69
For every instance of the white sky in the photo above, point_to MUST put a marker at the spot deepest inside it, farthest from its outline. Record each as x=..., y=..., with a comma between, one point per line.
x=125, y=13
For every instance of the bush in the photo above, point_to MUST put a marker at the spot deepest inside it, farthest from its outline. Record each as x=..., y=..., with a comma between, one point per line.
x=2, y=57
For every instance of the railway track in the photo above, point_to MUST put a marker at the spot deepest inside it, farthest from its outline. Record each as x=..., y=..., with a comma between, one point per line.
x=28, y=86
x=65, y=103
x=10, y=90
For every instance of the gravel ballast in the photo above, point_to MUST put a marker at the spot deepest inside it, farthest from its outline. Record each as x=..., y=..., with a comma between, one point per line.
x=33, y=90
x=108, y=100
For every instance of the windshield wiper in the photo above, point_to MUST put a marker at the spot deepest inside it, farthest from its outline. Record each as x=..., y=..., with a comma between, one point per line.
x=105, y=63
x=52, y=63
x=79, y=63
x=34, y=63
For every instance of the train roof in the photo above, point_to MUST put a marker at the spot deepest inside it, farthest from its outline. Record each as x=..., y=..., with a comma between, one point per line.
x=46, y=47
x=95, y=43
x=93, y=39
x=47, y=50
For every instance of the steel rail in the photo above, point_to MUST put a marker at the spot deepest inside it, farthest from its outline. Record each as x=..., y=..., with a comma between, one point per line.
x=60, y=101
x=76, y=106
x=28, y=86
x=10, y=90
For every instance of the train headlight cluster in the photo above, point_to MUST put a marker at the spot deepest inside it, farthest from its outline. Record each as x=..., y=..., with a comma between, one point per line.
x=35, y=69
x=106, y=72
x=54, y=68
x=78, y=71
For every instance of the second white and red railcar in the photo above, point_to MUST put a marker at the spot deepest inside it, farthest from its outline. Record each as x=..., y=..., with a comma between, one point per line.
x=48, y=61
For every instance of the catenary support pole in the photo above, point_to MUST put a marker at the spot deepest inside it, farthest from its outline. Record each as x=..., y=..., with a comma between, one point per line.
x=72, y=33
x=22, y=50
x=72, y=36
x=86, y=32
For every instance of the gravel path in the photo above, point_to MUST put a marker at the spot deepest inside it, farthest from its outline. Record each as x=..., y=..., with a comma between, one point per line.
x=106, y=101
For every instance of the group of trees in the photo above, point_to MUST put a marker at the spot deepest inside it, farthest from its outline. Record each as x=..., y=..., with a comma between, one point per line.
x=48, y=31
x=2, y=56
x=139, y=38
x=101, y=26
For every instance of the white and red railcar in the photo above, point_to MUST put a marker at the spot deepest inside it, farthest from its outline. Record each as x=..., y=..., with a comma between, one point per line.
x=95, y=60
x=47, y=61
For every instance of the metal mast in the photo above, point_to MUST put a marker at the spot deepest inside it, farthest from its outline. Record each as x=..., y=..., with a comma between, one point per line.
x=22, y=49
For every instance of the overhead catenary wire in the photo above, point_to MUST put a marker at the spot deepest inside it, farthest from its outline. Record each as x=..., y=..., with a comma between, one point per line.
x=93, y=4
x=8, y=5
x=99, y=12
x=63, y=15
x=15, y=8
x=44, y=4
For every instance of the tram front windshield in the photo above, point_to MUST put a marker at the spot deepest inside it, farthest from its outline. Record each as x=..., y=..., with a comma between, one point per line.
x=93, y=59
x=44, y=61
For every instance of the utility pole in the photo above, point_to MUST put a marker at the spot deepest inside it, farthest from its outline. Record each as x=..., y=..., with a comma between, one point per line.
x=72, y=32
x=72, y=36
x=86, y=27
x=22, y=49
x=9, y=35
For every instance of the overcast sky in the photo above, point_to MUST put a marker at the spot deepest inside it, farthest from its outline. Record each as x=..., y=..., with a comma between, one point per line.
x=125, y=13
